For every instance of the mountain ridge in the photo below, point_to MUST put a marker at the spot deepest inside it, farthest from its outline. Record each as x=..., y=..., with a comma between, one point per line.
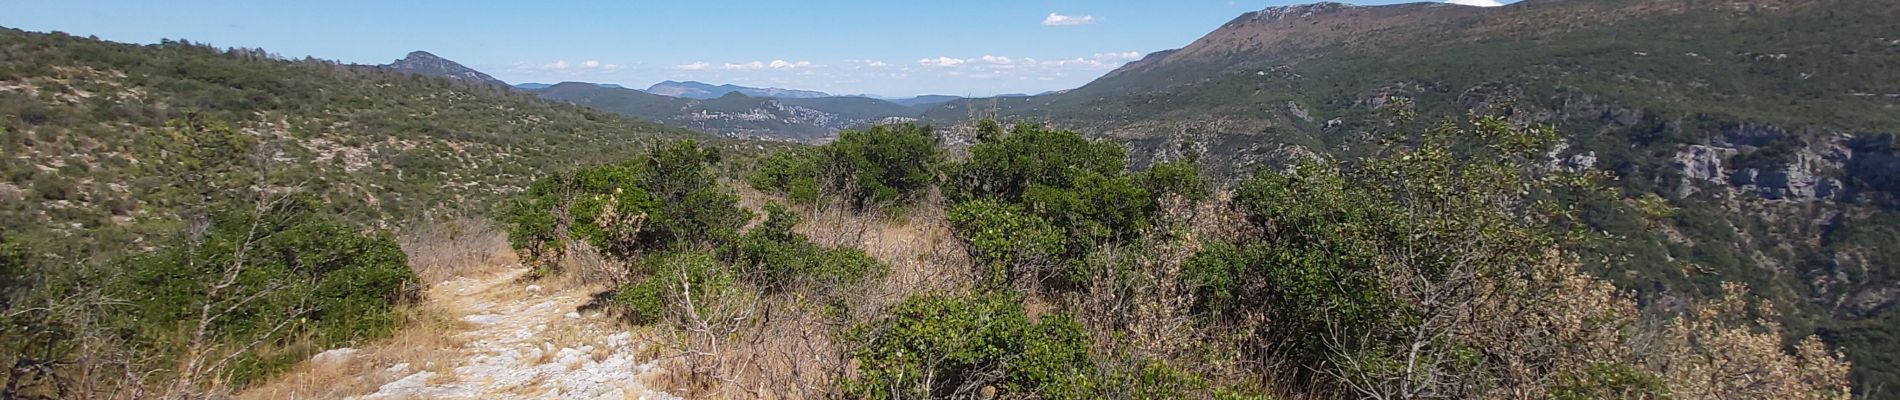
x=702, y=91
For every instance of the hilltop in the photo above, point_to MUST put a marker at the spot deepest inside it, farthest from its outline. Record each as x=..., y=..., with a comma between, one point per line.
x=426, y=64
x=703, y=91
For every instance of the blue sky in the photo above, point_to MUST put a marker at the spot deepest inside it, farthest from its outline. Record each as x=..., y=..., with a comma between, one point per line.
x=971, y=47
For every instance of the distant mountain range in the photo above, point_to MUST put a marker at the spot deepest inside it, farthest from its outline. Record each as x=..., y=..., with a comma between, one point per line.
x=735, y=114
x=700, y=90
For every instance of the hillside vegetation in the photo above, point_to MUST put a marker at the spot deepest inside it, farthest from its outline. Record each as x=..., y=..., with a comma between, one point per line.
x=1768, y=124
x=1043, y=266
x=180, y=219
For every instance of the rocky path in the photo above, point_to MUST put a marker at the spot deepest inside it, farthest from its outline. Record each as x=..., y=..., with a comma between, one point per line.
x=509, y=339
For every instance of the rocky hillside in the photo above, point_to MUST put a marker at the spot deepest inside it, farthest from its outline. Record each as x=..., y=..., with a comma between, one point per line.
x=425, y=64
x=738, y=115
x=96, y=134
x=1769, y=124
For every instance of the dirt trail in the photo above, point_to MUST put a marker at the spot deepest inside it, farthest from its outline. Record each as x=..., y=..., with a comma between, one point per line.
x=504, y=339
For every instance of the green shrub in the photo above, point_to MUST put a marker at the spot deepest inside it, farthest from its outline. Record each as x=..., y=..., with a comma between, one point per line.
x=793, y=173
x=666, y=280
x=255, y=271
x=784, y=259
x=1006, y=167
x=1310, y=292
x=1098, y=209
x=1005, y=241
x=883, y=165
x=668, y=200
x=935, y=346
x=643, y=301
x=1172, y=178
x=886, y=164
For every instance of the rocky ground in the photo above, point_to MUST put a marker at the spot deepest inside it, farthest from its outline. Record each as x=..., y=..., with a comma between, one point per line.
x=501, y=338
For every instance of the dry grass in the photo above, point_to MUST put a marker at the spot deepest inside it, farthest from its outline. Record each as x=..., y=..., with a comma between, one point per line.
x=784, y=347
x=427, y=341
x=442, y=249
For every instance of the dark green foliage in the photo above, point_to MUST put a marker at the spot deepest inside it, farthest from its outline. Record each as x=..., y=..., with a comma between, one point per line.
x=876, y=167
x=784, y=259
x=1029, y=155
x=1173, y=178
x=1311, y=290
x=571, y=205
x=279, y=275
x=1344, y=255
x=793, y=173
x=666, y=281
x=1033, y=177
x=669, y=200
x=886, y=164
x=1097, y=209
x=642, y=302
x=1007, y=242
x=934, y=346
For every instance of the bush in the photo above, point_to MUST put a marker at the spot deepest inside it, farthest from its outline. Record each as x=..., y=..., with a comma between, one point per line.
x=668, y=280
x=1007, y=166
x=886, y=164
x=784, y=259
x=668, y=201
x=1172, y=178
x=259, y=272
x=883, y=165
x=793, y=173
x=1073, y=183
x=1310, y=293
x=935, y=346
x=1098, y=209
x=642, y=302
x=1005, y=241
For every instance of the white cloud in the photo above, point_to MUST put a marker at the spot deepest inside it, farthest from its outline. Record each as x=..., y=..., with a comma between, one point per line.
x=595, y=64
x=942, y=62
x=998, y=60
x=782, y=64
x=755, y=65
x=698, y=66
x=557, y=64
x=1476, y=3
x=1055, y=19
